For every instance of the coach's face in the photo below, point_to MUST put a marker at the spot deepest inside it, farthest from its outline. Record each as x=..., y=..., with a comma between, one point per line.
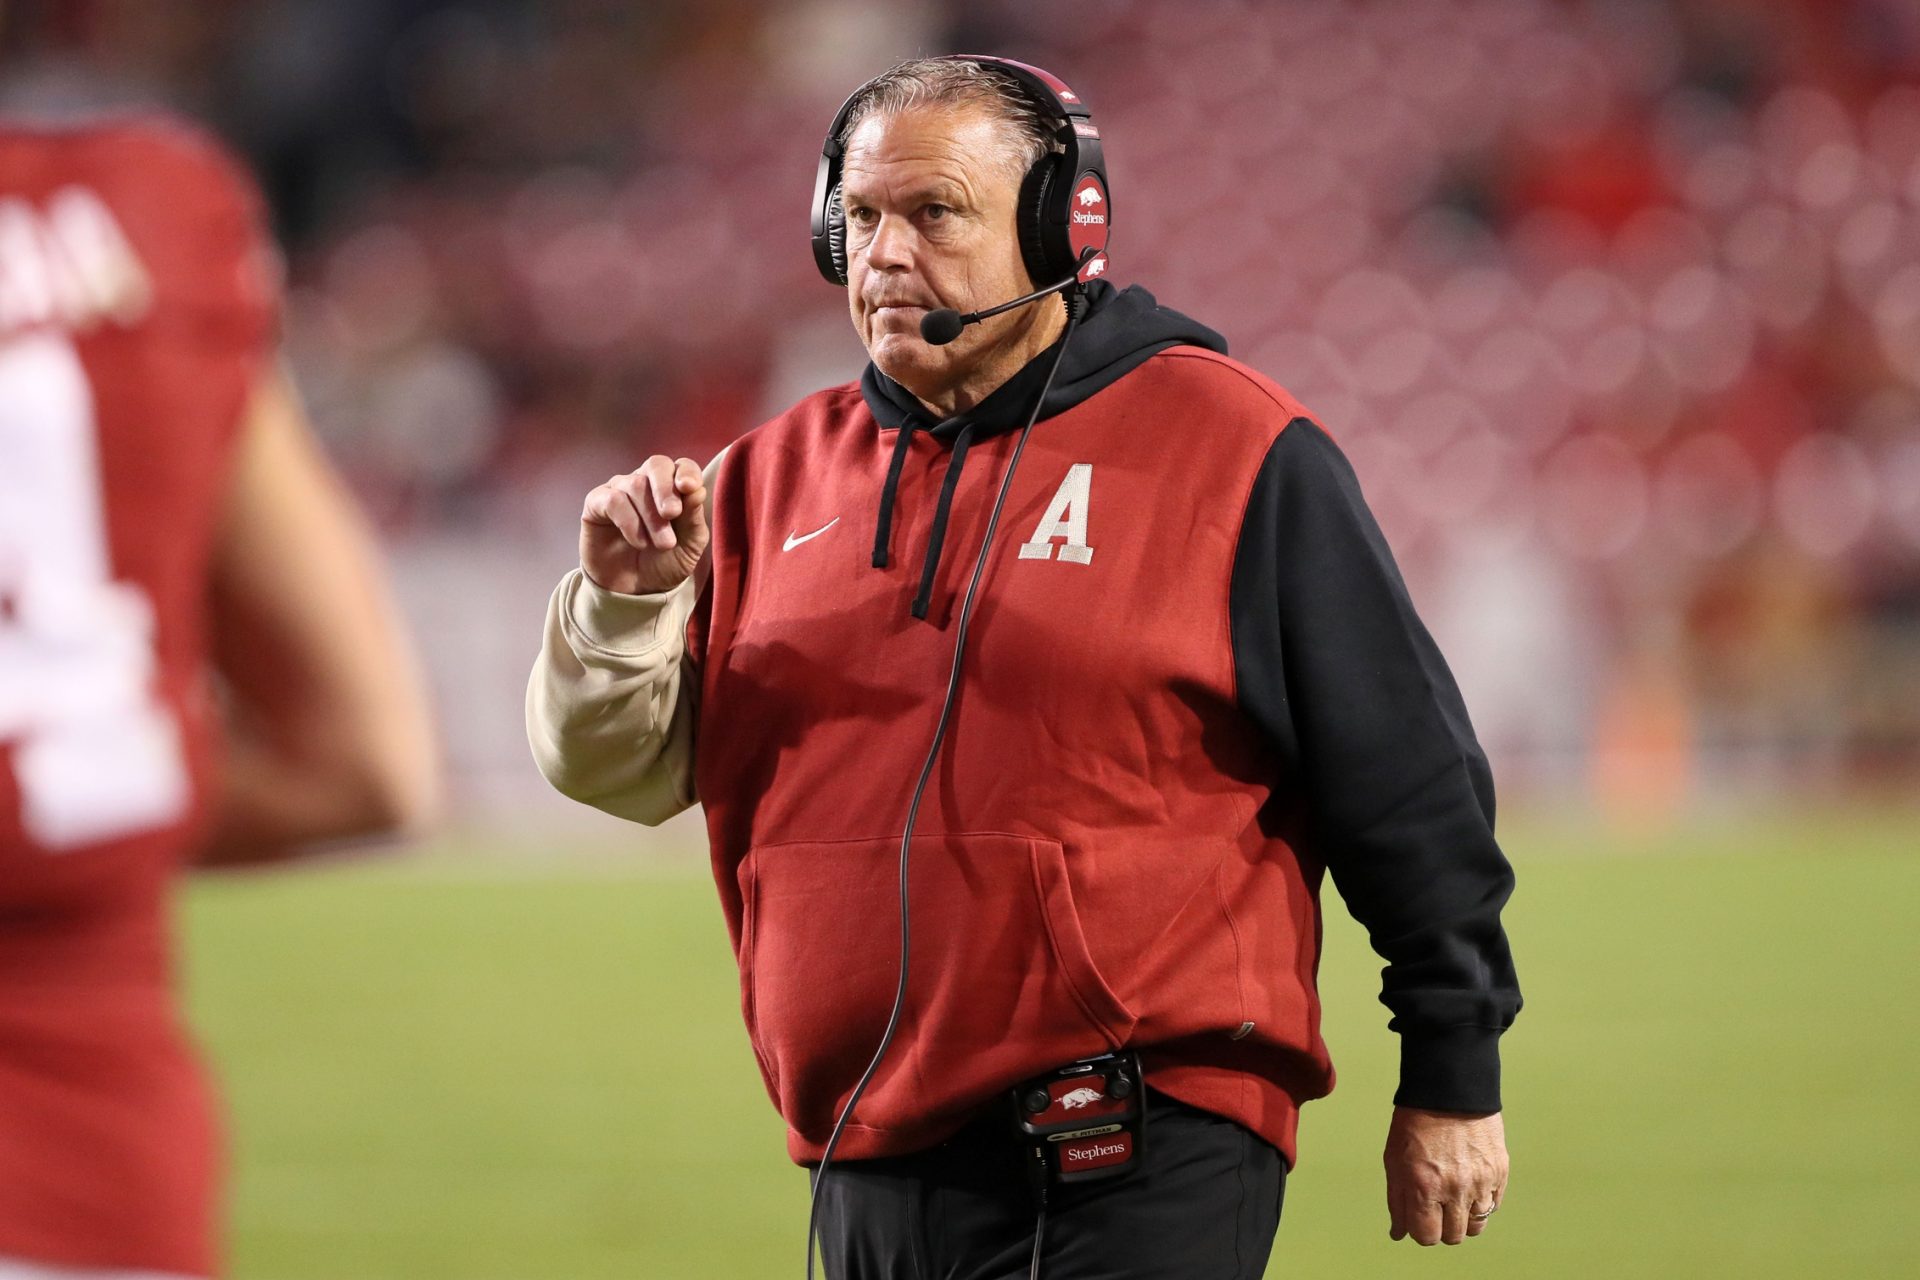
x=930, y=195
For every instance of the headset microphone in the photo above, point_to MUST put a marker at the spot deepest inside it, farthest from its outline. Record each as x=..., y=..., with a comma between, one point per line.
x=942, y=326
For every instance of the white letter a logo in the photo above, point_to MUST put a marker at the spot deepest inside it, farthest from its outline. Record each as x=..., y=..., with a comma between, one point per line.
x=1066, y=518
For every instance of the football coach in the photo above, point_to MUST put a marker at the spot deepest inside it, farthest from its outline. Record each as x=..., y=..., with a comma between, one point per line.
x=1029, y=685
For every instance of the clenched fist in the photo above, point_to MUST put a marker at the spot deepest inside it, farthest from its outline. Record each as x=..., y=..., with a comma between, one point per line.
x=645, y=531
x=1446, y=1174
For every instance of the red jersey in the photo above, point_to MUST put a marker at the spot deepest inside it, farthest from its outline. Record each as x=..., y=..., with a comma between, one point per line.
x=136, y=307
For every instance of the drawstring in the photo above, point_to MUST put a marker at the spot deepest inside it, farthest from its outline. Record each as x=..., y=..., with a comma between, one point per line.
x=887, y=492
x=939, y=534
x=890, y=492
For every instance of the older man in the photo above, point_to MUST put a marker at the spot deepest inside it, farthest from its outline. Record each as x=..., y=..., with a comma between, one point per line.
x=1001, y=832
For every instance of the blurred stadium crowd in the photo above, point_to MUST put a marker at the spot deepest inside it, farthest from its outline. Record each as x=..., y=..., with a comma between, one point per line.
x=1614, y=304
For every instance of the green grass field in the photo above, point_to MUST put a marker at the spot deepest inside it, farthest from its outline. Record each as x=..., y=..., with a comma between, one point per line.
x=468, y=1068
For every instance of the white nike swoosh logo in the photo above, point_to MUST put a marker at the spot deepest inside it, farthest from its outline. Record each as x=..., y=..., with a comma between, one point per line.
x=793, y=542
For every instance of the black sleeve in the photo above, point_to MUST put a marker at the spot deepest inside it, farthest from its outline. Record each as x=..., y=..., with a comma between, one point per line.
x=1382, y=773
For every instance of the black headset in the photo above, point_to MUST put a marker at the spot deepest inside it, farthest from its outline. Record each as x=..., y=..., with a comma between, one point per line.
x=1065, y=208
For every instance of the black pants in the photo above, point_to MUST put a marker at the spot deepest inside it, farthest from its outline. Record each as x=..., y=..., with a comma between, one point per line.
x=1204, y=1207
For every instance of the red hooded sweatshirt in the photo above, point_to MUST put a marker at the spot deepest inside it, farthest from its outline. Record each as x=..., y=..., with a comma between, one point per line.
x=1193, y=680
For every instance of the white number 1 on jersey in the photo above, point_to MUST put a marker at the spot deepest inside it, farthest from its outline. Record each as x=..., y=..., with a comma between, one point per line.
x=95, y=753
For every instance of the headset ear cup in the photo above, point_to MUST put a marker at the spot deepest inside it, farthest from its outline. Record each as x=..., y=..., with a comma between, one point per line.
x=836, y=217
x=1032, y=218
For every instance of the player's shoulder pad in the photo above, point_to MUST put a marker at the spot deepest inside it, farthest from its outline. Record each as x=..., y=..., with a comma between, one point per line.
x=170, y=136
x=182, y=156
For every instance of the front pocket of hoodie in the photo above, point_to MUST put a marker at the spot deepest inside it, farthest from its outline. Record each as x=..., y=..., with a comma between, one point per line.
x=1001, y=980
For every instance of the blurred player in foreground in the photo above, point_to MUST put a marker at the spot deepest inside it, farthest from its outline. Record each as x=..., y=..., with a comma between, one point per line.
x=165, y=515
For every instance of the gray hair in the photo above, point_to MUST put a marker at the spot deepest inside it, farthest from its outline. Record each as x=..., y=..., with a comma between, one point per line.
x=959, y=82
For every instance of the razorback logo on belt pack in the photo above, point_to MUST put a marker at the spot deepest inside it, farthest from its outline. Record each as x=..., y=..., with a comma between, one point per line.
x=1084, y=1121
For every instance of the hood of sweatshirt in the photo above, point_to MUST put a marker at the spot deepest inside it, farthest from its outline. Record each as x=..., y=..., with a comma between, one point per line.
x=1119, y=330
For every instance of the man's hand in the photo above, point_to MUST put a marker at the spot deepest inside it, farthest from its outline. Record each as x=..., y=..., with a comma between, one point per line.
x=1445, y=1173
x=645, y=531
